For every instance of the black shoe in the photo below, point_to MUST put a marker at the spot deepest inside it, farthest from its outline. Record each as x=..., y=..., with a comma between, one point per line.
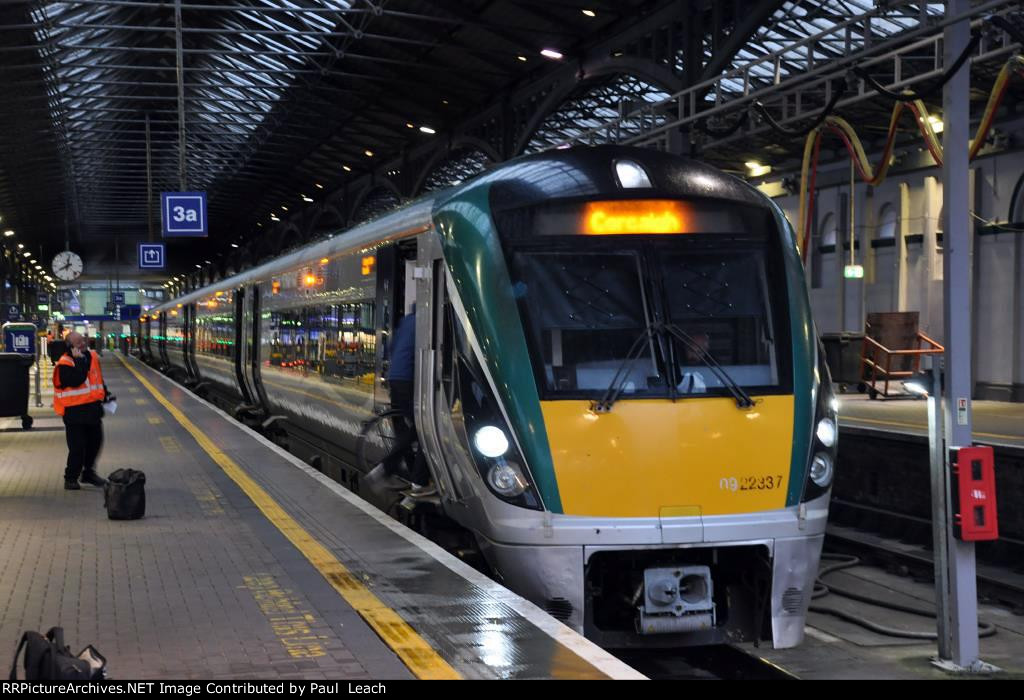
x=94, y=479
x=71, y=486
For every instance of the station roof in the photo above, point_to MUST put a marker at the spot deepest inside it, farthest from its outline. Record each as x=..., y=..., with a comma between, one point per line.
x=287, y=100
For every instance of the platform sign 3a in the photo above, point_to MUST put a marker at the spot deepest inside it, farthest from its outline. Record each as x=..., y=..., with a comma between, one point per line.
x=183, y=214
x=151, y=256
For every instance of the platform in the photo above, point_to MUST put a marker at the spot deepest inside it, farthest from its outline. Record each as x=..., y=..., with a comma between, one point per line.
x=249, y=564
x=997, y=423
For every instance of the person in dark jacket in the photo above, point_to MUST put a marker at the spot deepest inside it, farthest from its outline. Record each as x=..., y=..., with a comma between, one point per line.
x=78, y=396
x=401, y=376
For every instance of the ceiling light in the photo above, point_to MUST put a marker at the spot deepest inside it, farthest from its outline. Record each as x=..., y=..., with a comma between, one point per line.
x=33, y=260
x=27, y=254
x=444, y=102
x=551, y=53
x=20, y=246
x=199, y=267
x=346, y=168
x=409, y=125
x=284, y=208
x=234, y=245
x=589, y=13
x=369, y=153
x=306, y=199
x=39, y=267
x=427, y=130
x=318, y=185
x=521, y=58
x=273, y=217
x=9, y=232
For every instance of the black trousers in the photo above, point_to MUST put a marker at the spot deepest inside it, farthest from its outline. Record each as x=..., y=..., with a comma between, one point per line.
x=405, y=432
x=84, y=443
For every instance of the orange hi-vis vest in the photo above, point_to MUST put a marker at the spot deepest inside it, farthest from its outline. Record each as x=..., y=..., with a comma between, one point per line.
x=89, y=392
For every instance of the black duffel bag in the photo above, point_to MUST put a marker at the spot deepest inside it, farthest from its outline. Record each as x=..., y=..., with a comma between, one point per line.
x=124, y=495
x=49, y=659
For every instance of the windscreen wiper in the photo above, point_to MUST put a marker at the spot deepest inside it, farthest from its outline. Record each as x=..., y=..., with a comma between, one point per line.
x=618, y=383
x=743, y=399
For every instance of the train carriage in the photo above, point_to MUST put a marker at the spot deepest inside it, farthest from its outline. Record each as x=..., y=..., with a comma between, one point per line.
x=618, y=388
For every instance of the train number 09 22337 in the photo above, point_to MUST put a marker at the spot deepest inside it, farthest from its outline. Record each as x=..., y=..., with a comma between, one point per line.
x=750, y=483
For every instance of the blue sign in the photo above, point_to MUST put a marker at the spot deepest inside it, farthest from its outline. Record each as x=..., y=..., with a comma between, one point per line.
x=151, y=256
x=20, y=338
x=183, y=214
x=117, y=298
x=130, y=312
x=42, y=298
x=13, y=312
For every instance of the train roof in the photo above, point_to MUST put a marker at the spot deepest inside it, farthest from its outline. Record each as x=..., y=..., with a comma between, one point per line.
x=523, y=182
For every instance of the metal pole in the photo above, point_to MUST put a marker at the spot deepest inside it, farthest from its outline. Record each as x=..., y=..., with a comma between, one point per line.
x=957, y=314
x=940, y=520
x=149, y=181
x=182, y=179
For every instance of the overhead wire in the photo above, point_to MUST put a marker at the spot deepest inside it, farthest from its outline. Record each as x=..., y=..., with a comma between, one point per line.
x=876, y=175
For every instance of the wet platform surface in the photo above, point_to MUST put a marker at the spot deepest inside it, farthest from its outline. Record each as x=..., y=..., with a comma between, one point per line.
x=248, y=564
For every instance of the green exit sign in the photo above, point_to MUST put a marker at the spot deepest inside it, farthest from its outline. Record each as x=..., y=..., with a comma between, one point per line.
x=853, y=272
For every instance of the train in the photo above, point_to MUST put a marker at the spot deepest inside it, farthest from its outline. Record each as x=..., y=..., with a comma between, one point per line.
x=619, y=390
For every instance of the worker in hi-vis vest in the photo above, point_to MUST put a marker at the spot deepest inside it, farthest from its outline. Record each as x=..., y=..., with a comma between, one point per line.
x=78, y=396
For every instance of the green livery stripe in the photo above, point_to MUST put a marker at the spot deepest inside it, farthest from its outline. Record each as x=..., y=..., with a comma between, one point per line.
x=802, y=329
x=476, y=262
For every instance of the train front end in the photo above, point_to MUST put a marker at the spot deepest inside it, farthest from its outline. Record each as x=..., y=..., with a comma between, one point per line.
x=635, y=388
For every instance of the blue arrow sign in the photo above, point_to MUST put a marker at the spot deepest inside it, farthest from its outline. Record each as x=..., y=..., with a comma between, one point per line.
x=183, y=214
x=151, y=256
x=118, y=298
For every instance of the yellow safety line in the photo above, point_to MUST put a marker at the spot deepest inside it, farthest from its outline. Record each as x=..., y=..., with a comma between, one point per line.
x=415, y=652
x=922, y=427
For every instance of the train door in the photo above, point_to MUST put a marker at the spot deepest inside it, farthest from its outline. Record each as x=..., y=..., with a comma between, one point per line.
x=162, y=342
x=387, y=280
x=243, y=323
x=254, y=347
x=188, y=345
x=434, y=366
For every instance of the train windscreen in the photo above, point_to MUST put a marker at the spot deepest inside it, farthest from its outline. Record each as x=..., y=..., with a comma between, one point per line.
x=650, y=315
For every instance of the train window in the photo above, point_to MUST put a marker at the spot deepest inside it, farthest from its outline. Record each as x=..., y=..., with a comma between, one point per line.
x=587, y=315
x=721, y=301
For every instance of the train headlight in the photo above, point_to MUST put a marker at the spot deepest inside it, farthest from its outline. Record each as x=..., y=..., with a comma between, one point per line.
x=821, y=470
x=491, y=442
x=506, y=479
x=826, y=432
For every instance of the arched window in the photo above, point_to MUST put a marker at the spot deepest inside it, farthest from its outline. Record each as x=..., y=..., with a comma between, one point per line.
x=824, y=234
x=887, y=220
x=829, y=232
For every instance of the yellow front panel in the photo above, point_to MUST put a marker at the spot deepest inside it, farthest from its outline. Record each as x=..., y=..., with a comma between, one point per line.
x=647, y=458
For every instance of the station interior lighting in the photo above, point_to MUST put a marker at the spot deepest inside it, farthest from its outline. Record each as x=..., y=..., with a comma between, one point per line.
x=757, y=169
x=284, y=208
x=318, y=185
x=552, y=54
x=427, y=130
x=936, y=123
x=234, y=245
x=410, y=125
x=27, y=254
x=589, y=13
x=521, y=58
x=346, y=168
x=306, y=198
x=369, y=153
x=9, y=232
x=199, y=267
x=32, y=261
x=273, y=217
x=20, y=246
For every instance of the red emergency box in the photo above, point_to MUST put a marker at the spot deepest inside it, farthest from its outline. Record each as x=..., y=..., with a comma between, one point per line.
x=974, y=495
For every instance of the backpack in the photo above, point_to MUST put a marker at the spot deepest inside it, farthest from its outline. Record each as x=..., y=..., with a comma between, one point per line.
x=124, y=495
x=48, y=659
